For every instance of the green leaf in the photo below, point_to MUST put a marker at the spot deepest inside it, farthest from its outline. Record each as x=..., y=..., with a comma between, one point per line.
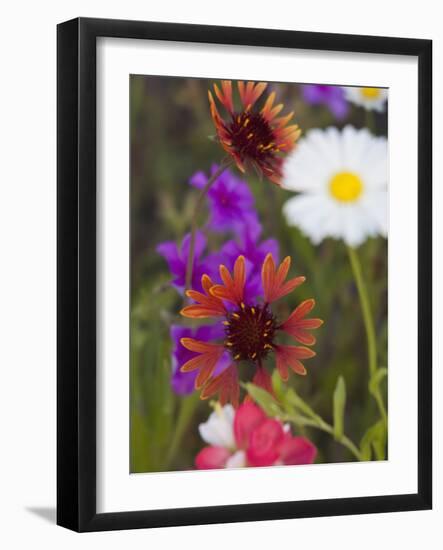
x=374, y=440
x=339, y=402
x=376, y=378
x=292, y=398
x=294, y=405
x=277, y=385
x=264, y=400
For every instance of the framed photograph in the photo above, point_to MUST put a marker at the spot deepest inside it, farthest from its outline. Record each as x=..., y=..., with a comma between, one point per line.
x=244, y=274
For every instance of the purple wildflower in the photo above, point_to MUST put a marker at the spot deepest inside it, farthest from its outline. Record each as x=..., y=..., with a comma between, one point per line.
x=183, y=382
x=230, y=200
x=331, y=96
x=177, y=259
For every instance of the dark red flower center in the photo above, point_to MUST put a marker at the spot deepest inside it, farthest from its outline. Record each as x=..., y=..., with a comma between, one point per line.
x=251, y=135
x=250, y=332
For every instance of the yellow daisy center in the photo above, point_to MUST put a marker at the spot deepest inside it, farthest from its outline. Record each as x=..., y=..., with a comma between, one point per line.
x=370, y=93
x=345, y=186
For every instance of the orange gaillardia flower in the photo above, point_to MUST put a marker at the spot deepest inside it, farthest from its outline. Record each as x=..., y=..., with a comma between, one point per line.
x=253, y=137
x=250, y=330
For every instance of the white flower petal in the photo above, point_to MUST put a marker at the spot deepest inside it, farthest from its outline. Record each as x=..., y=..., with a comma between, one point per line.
x=237, y=460
x=376, y=207
x=355, y=95
x=311, y=213
x=323, y=154
x=354, y=228
x=218, y=429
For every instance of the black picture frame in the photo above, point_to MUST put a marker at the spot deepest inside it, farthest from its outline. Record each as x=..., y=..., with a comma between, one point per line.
x=76, y=277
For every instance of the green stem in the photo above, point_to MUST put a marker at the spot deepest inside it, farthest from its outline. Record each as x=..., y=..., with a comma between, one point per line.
x=344, y=440
x=370, y=121
x=320, y=424
x=198, y=205
x=186, y=412
x=369, y=326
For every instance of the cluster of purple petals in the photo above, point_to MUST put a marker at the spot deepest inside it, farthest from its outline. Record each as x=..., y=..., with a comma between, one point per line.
x=177, y=258
x=231, y=213
x=231, y=203
x=332, y=97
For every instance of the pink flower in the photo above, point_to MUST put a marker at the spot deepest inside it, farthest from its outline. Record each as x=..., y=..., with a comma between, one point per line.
x=211, y=458
x=247, y=437
x=264, y=443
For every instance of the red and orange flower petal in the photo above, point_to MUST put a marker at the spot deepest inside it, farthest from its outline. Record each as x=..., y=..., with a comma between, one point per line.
x=267, y=276
x=238, y=161
x=250, y=92
x=289, y=357
x=207, y=284
x=194, y=363
x=220, y=127
x=205, y=373
x=282, y=271
x=233, y=288
x=205, y=362
x=269, y=112
x=273, y=281
x=288, y=287
x=250, y=136
x=297, y=326
x=281, y=122
x=218, y=121
x=263, y=379
x=199, y=346
x=206, y=306
x=289, y=131
x=200, y=312
x=225, y=385
x=286, y=137
x=225, y=96
x=274, y=174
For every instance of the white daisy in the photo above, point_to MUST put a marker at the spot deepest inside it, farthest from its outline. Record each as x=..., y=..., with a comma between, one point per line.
x=342, y=180
x=372, y=99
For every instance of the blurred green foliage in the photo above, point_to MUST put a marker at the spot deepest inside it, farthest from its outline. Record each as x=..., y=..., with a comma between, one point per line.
x=170, y=127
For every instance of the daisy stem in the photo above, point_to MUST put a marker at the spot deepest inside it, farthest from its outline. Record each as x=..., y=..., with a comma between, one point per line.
x=190, y=264
x=369, y=326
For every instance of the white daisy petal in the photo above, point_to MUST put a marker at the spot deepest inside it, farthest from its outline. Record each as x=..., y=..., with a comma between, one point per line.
x=311, y=214
x=355, y=228
x=376, y=206
x=342, y=179
x=372, y=99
